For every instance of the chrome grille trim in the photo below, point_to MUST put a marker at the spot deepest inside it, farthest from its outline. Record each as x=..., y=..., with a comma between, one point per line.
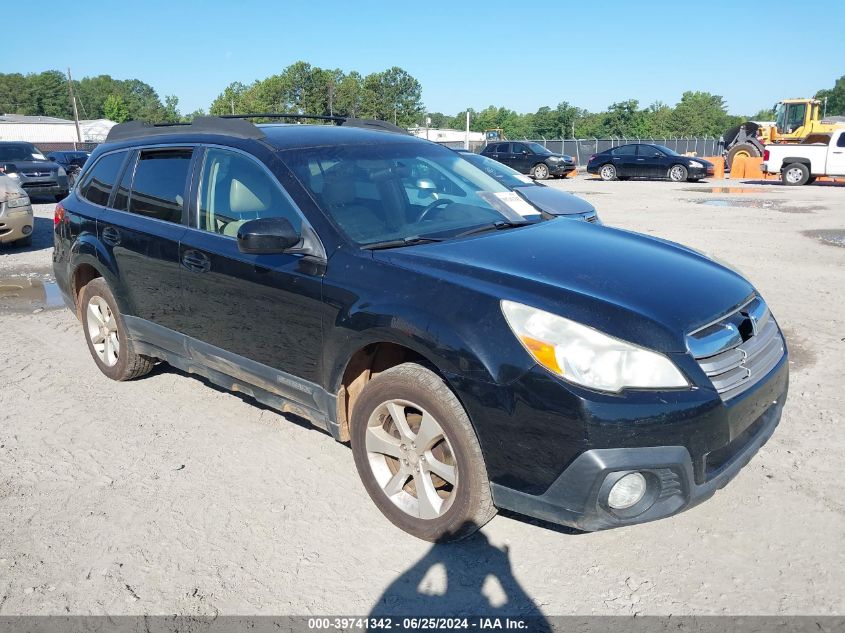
x=738, y=350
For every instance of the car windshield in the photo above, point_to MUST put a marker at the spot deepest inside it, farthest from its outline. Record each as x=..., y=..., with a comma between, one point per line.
x=400, y=191
x=20, y=151
x=666, y=150
x=510, y=178
x=538, y=149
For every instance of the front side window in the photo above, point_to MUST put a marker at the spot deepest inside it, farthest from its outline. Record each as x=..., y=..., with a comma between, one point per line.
x=390, y=191
x=235, y=189
x=649, y=151
x=158, y=189
x=98, y=183
x=519, y=148
x=841, y=141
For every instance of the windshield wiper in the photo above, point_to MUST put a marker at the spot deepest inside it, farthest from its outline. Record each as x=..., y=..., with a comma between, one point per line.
x=405, y=241
x=495, y=226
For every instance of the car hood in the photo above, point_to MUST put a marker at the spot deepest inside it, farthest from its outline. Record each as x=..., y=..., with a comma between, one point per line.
x=33, y=165
x=554, y=201
x=647, y=291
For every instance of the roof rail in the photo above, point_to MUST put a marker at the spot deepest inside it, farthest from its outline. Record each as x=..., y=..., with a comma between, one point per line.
x=371, y=124
x=200, y=125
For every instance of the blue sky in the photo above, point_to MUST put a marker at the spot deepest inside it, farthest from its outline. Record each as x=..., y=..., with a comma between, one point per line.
x=516, y=54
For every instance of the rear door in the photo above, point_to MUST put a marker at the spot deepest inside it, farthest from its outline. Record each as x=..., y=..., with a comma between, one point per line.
x=141, y=232
x=259, y=312
x=836, y=157
x=624, y=158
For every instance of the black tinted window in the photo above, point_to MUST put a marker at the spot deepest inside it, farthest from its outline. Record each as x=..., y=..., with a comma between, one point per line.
x=841, y=141
x=121, y=198
x=625, y=150
x=159, y=186
x=99, y=182
x=649, y=150
x=518, y=148
x=503, y=148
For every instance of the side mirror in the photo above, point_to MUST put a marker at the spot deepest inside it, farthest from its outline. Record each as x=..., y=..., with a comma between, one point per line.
x=267, y=235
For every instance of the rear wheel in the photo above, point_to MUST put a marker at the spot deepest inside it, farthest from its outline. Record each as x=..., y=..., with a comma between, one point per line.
x=607, y=172
x=677, y=173
x=540, y=171
x=795, y=174
x=418, y=456
x=105, y=332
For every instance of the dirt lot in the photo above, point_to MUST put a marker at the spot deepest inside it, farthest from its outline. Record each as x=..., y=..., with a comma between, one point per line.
x=165, y=495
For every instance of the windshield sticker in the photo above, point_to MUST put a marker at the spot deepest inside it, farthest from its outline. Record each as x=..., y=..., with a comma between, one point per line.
x=515, y=203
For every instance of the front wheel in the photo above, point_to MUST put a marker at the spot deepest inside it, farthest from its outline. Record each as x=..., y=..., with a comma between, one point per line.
x=418, y=457
x=607, y=172
x=540, y=171
x=677, y=173
x=795, y=174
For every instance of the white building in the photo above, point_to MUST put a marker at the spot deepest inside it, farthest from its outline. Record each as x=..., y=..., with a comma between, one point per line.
x=51, y=130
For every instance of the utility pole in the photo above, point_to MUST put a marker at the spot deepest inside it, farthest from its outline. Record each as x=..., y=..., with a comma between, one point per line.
x=466, y=136
x=75, y=110
x=232, y=100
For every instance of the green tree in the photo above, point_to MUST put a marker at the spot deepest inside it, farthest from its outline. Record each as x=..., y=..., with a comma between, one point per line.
x=700, y=113
x=347, y=95
x=230, y=101
x=115, y=109
x=835, y=98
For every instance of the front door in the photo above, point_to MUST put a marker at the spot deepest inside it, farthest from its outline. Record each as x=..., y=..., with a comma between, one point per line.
x=522, y=159
x=650, y=162
x=141, y=232
x=260, y=312
x=836, y=157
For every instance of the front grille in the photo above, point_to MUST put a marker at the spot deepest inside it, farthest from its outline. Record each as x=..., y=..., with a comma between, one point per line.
x=738, y=350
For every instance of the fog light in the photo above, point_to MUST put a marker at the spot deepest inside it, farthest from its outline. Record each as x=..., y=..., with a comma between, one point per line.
x=627, y=492
x=26, y=230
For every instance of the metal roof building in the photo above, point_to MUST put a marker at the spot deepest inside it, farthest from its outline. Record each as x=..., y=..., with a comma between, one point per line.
x=52, y=132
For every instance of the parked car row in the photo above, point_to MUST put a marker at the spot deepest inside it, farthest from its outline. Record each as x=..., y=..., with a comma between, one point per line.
x=475, y=349
x=16, y=218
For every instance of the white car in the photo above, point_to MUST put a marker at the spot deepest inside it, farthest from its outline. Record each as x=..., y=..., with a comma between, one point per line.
x=16, y=221
x=802, y=164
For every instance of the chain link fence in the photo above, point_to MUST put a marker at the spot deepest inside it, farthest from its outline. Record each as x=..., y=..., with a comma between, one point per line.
x=582, y=148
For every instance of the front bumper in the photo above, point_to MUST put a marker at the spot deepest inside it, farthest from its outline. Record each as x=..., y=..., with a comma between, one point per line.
x=561, y=169
x=558, y=452
x=15, y=224
x=699, y=172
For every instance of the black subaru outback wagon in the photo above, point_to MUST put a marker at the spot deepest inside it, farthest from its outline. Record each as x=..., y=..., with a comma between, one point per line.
x=391, y=292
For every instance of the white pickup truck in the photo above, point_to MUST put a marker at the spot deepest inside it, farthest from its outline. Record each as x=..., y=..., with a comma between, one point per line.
x=802, y=164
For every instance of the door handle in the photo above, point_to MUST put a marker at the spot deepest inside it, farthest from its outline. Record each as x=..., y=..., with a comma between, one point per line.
x=110, y=236
x=641, y=159
x=837, y=152
x=196, y=261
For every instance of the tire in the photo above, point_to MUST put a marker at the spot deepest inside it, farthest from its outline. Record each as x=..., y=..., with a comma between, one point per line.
x=117, y=359
x=540, y=171
x=677, y=173
x=607, y=172
x=24, y=242
x=795, y=174
x=388, y=459
x=693, y=179
x=743, y=149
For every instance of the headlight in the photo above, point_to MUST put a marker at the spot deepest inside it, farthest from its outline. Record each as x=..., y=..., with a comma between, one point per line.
x=586, y=356
x=13, y=174
x=62, y=171
x=695, y=163
x=19, y=201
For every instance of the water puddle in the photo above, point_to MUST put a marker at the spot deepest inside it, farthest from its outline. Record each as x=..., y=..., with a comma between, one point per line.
x=832, y=237
x=29, y=294
x=756, y=203
x=736, y=190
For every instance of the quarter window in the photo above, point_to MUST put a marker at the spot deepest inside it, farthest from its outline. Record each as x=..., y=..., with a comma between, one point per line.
x=158, y=188
x=235, y=189
x=98, y=183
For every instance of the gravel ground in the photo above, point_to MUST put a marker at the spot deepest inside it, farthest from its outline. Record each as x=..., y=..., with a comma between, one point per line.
x=166, y=495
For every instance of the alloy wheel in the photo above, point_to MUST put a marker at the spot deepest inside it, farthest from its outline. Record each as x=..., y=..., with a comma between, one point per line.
x=608, y=172
x=541, y=172
x=677, y=173
x=411, y=459
x=102, y=330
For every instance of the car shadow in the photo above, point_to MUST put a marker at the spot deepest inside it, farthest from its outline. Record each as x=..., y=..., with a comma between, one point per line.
x=42, y=238
x=471, y=578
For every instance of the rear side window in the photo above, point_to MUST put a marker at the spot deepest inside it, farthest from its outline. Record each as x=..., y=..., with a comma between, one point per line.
x=98, y=183
x=625, y=150
x=158, y=188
